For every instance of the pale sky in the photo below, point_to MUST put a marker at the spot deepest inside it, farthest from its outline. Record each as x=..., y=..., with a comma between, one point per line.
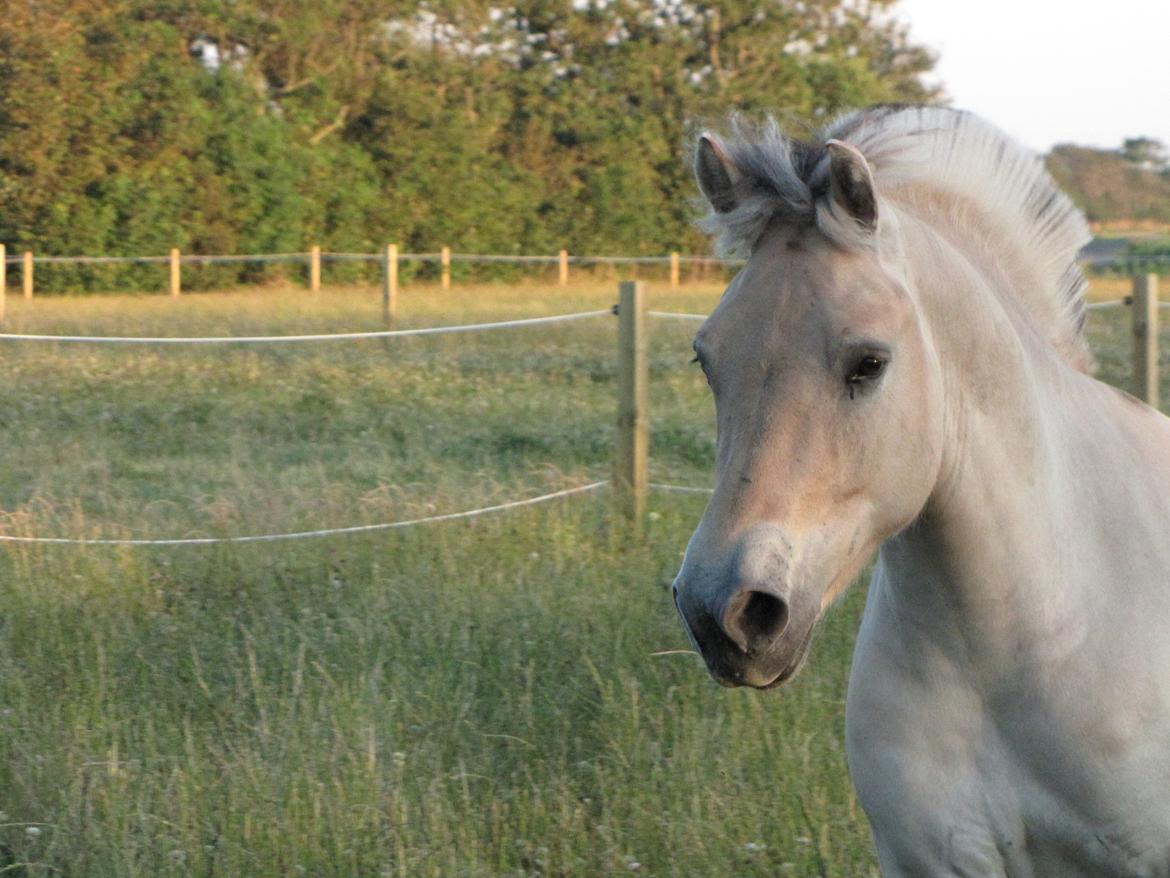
x=1051, y=72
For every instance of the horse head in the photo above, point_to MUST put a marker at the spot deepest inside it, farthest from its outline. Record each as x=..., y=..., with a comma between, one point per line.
x=828, y=402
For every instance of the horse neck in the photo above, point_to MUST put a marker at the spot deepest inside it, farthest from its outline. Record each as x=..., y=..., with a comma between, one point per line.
x=987, y=544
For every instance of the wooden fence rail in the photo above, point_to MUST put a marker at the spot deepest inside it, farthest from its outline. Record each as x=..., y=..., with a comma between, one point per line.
x=315, y=256
x=1145, y=317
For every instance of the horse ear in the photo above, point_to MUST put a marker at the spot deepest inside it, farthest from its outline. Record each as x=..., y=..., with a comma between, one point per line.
x=715, y=174
x=851, y=183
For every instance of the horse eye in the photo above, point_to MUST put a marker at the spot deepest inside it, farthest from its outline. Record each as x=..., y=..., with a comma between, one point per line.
x=869, y=367
x=866, y=369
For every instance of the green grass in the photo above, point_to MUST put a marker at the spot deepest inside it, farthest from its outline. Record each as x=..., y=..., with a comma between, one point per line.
x=463, y=699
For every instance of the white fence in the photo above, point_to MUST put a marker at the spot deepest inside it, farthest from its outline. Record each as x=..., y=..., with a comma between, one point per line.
x=389, y=259
x=631, y=470
x=630, y=479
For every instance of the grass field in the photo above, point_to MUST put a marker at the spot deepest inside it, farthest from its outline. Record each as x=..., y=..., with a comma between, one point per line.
x=463, y=699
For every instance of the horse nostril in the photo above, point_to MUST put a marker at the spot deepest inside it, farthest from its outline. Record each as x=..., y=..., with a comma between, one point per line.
x=761, y=619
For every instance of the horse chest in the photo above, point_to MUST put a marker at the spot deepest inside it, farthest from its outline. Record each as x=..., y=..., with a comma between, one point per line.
x=954, y=786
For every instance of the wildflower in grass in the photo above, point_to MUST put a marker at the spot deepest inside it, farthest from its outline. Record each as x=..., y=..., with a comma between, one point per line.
x=632, y=864
x=33, y=832
x=399, y=759
x=653, y=516
x=753, y=848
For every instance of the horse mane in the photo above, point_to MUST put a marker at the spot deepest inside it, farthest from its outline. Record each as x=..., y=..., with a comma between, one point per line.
x=946, y=165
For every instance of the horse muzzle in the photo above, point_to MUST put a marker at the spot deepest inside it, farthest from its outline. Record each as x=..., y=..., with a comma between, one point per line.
x=751, y=634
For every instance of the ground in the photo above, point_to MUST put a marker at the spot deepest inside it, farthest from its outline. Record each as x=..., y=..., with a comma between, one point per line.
x=496, y=697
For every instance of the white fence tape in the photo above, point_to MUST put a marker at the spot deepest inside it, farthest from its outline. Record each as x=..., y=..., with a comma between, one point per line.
x=338, y=531
x=677, y=315
x=680, y=489
x=337, y=336
x=299, y=535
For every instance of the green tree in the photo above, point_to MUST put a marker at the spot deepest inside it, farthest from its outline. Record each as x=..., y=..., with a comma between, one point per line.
x=128, y=127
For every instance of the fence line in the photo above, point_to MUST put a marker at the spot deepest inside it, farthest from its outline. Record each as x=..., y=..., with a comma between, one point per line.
x=336, y=336
x=192, y=259
x=630, y=480
x=306, y=534
x=327, y=255
x=680, y=489
x=631, y=470
x=519, y=258
x=339, y=531
x=378, y=257
x=489, y=257
x=314, y=256
x=93, y=260
x=357, y=257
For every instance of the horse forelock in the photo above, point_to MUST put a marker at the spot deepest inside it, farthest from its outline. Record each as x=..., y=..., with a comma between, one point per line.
x=775, y=181
x=944, y=163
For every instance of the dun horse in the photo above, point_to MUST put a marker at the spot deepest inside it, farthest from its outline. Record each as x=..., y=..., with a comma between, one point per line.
x=900, y=368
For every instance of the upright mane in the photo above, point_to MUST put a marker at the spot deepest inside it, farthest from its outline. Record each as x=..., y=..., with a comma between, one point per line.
x=940, y=164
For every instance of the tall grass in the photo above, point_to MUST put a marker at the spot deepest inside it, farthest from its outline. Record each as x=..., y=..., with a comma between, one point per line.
x=497, y=697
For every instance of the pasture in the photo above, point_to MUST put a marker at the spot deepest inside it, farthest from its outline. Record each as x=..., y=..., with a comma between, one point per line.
x=474, y=698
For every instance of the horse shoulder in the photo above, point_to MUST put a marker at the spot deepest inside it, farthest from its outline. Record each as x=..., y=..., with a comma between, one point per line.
x=921, y=756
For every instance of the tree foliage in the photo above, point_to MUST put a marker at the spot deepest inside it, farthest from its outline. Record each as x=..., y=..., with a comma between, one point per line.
x=1130, y=183
x=129, y=127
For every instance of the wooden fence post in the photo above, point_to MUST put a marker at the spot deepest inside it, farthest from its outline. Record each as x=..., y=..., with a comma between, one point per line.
x=315, y=269
x=445, y=259
x=1145, y=338
x=564, y=267
x=674, y=271
x=26, y=274
x=176, y=276
x=3, y=281
x=390, y=283
x=630, y=477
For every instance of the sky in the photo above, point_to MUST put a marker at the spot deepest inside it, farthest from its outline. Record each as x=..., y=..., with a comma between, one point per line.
x=1050, y=72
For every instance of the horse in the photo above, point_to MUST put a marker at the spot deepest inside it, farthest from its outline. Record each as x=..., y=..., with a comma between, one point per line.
x=900, y=368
